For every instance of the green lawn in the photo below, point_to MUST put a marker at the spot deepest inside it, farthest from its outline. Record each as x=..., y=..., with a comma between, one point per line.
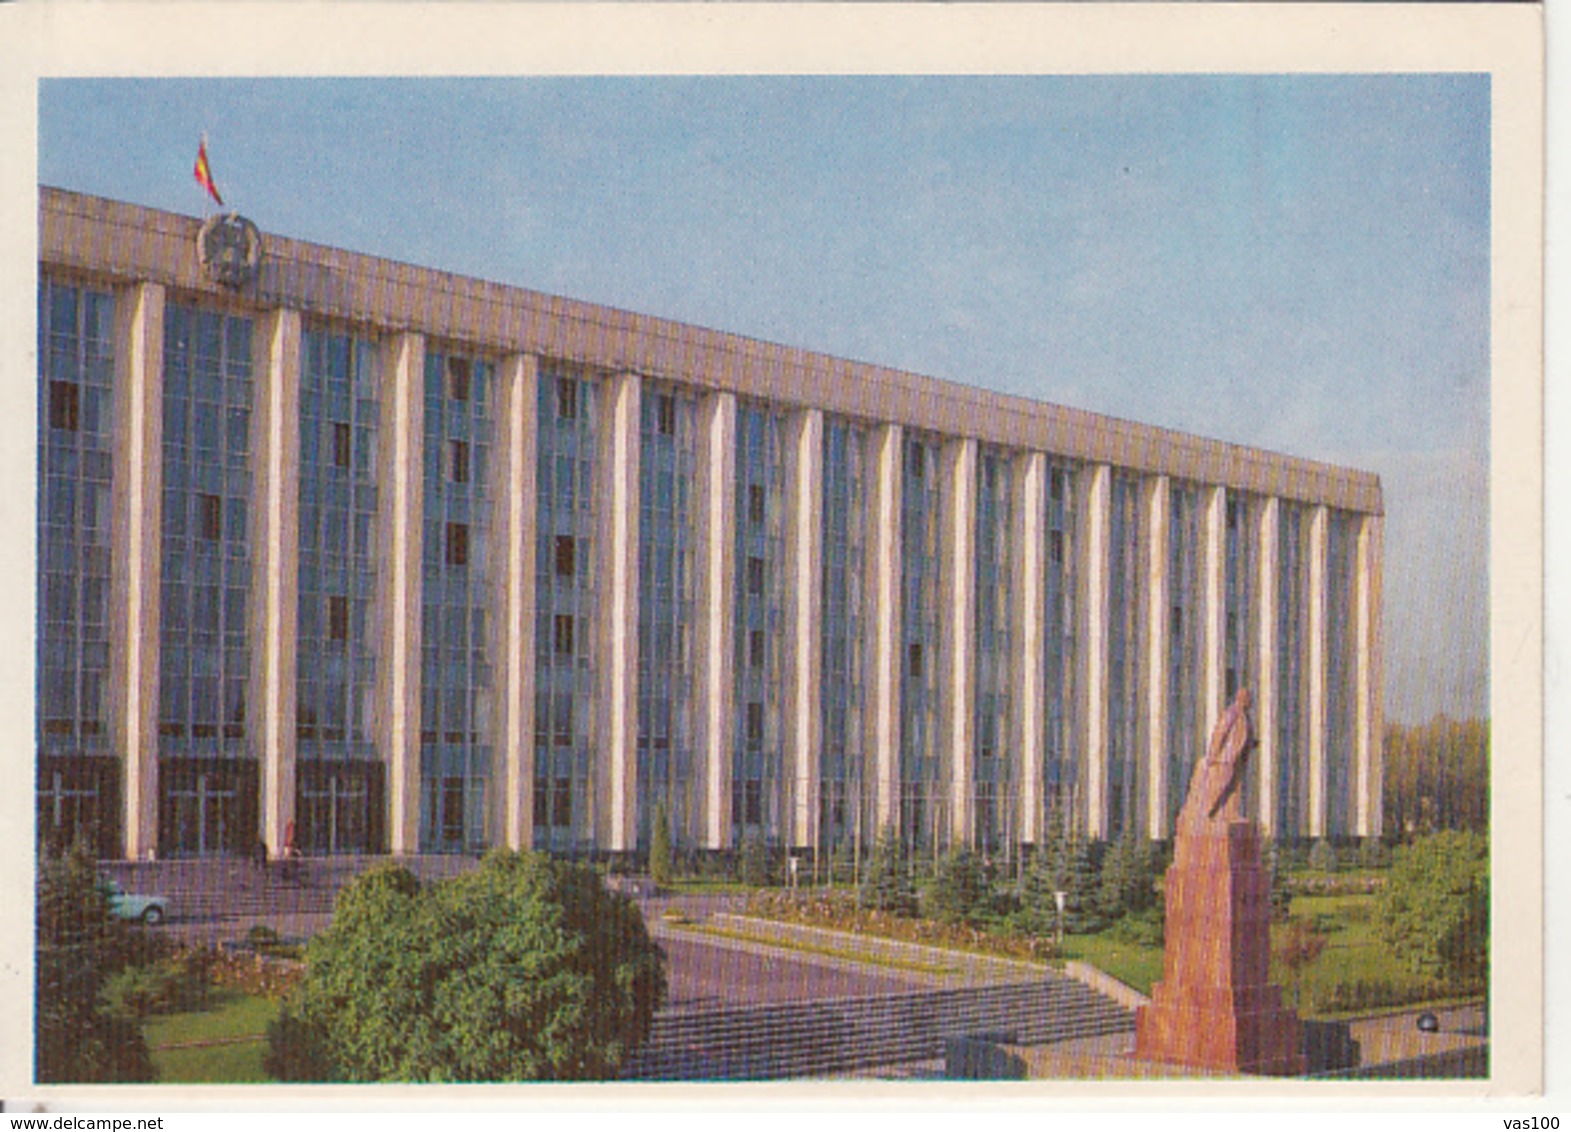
x=1130, y=963
x=228, y=1015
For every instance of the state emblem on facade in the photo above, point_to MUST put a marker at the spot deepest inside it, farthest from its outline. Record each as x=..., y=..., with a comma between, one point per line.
x=230, y=249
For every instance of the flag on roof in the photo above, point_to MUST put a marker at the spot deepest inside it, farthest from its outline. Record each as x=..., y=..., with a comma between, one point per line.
x=204, y=174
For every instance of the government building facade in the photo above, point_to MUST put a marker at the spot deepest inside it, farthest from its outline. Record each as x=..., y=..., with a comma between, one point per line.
x=372, y=559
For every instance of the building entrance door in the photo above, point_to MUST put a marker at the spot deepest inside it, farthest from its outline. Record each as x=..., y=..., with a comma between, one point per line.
x=207, y=808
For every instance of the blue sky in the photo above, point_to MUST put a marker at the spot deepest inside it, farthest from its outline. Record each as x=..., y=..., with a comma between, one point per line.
x=1295, y=262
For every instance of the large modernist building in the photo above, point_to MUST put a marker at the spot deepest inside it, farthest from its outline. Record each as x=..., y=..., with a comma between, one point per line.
x=388, y=560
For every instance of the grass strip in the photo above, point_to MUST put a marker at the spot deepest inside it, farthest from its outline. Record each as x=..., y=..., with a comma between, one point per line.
x=850, y=954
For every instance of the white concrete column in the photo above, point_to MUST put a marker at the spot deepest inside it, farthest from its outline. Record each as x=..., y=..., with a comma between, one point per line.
x=716, y=510
x=1267, y=755
x=1213, y=609
x=804, y=520
x=616, y=821
x=400, y=523
x=1315, y=650
x=1097, y=491
x=1369, y=726
x=884, y=598
x=957, y=605
x=137, y=570
x=1028, y=533
x=514, y=505
x=275, y=565
x=1158, y=650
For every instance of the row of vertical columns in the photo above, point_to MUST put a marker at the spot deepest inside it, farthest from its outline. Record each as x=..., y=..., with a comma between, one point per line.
x=137, y=527
x=277, y=363
x=716, y=499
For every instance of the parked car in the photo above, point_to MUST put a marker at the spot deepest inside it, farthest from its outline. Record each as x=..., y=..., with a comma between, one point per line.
x=149, y=910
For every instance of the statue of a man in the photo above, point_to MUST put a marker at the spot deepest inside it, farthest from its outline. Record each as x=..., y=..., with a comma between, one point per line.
x=1213, y=800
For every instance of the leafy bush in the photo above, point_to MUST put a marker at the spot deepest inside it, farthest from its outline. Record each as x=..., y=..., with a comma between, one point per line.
x=167, y=986
x=886, y=885
x=77, y=1037
x=526, y=969
x=1434, y=909
x=958, y=892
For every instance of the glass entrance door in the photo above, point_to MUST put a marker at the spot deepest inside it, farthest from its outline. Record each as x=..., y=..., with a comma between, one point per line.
x=207, y=808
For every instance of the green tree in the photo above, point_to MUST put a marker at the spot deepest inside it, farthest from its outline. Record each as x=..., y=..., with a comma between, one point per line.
x=1322, y=857
x=1128, y=879
x=958, y=892
x=886, y=885
x=756, y=864
x=78, y=1039
x=661, y=865
x=1434, y=908
x=1436, y=776
x=526, y=969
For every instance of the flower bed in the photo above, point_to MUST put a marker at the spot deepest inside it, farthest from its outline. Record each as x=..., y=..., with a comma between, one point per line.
x=838, y=911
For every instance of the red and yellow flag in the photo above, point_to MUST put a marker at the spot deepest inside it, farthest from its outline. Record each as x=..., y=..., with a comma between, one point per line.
x=203, y=174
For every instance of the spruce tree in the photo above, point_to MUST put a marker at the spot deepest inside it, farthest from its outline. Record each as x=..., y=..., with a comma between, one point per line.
x=886, y=885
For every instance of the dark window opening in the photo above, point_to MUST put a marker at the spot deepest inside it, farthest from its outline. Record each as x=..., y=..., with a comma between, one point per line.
x=665, y=415
x=341, y=446
x=209, y=517
x=459, y=451
x=755, y=576
x=562, y=803
x=914, y=658
x=566, y=556
x=458, y=379
x=1055, y=486
x=65, y=405
x=542, y=802
x=1178, y=621
x=564, y=634
x=458, y=544
x=566, y=398
x=755, y=504
x=918, y=461
x=337, y=618
x=1055, y=545
x=753, y=802
x=755, y=725
x=755, y=648
x=452, y=809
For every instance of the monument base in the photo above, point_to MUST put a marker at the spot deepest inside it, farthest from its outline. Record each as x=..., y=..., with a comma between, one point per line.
x=1214, y=1008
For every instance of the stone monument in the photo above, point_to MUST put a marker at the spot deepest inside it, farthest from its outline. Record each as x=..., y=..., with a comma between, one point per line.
x=1214, y=1008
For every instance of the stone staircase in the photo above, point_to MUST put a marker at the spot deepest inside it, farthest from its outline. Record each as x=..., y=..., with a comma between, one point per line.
x=834, y=1037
